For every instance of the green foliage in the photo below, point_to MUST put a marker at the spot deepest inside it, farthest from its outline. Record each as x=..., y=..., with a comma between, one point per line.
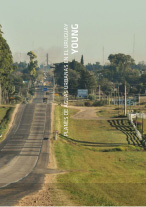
x=92, y=97
x=21, y=66
x=33, y=64
x=121, y=68
x=32, y=91
x=120, y=61
x=94, y=67
x=78, y=77
x=5, y=120
x=82, y=60
x=32, y=55
x=73, y=81
x=106, y=86
x=88, y=103
x=6, y=64
x=18, y=99
x=100, y=103
x=124, y=148
x=87, y=81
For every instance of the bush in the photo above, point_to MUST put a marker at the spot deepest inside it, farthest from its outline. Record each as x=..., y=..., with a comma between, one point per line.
x=100, y=103
x=92, y=97
x=79, y=103
x=88, y=103
x=18, y=99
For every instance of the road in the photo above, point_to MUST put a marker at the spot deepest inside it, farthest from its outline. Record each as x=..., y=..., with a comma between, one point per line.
x=24, y=154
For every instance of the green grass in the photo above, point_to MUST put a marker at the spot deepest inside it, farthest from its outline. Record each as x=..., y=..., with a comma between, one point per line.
x=95, y=177
x=3, y=111
x=110, y=111
x=5, y=116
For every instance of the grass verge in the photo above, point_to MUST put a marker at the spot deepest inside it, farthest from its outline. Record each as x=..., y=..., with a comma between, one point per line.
x=5, y=117
x=101, y=168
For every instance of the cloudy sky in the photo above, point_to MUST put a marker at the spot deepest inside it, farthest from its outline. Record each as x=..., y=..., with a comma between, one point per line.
x=38, y=25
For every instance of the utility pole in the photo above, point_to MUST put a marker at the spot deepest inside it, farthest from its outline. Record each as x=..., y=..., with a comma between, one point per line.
x=99, y=93
x=114, y=97
x=139, y=99
x=109, y=99
x=47, y=59
x=53, y=87
x=118, y=100
x=125, y=105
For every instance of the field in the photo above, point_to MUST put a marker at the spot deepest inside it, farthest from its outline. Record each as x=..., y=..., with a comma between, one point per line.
x=100, y=167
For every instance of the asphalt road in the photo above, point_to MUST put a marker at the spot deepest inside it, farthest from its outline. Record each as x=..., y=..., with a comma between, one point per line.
x=24, y=155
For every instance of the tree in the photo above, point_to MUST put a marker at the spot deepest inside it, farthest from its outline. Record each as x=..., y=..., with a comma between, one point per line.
x=6, y=65
x=94, y=67
x=59, y=74
x=32, y=55
x=73, y=81
x=120, y=61
x=1, y=30
x=106, y=86
x=32, y=64
x=76, y=66
x=78, y=76
x=21, y=66
x=82, y=60
x=87, y=81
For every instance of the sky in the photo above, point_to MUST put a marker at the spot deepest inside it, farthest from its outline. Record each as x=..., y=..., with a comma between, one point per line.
x=38, y=25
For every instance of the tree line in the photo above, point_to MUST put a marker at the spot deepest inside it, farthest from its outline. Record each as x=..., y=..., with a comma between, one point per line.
x=120, y=69
x=14, y=75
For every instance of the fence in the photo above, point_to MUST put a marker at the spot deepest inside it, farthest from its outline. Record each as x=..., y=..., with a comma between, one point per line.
x=133, y=116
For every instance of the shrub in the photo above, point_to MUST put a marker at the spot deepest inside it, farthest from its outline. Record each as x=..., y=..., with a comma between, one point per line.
x=92, y=97
x=100, y=103
x=79, y=103
x=88, y=103
x=18, y=99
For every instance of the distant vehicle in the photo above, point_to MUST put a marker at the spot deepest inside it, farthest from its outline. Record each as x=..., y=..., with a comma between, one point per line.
x=46, y=138
x=45, y=100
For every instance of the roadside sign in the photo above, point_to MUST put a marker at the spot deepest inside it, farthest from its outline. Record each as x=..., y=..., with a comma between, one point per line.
x=130, y=102
x=45, y=89
x=82, y=93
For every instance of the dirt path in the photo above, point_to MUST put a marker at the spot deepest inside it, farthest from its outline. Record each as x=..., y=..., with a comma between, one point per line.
x=89, y=113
